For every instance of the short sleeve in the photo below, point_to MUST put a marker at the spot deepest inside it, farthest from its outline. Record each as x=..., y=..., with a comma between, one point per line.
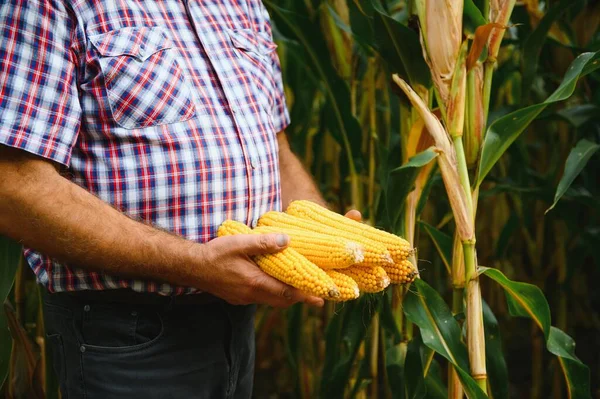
x=281, y=116
x=39, y=103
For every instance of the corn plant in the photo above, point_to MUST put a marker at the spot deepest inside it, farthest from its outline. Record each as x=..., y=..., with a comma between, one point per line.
x=443, y=59
x=469, y=128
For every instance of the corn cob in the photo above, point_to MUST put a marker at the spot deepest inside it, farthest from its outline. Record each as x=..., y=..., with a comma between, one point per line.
x=402, y=272
x=374, y=252
x=368, y=278
x=398, y=247
x=347, y=286
x=325, y=251
x=288, y=266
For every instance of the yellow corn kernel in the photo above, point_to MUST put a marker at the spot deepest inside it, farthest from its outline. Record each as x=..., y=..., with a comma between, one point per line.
x=346, y=285
x=402, y=272
x=368, y=278
x=325, y=251
x=374, y=252
x=288, y=266
x=398, y=247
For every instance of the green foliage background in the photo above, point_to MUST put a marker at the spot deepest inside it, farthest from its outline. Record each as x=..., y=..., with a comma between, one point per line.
x=333, y=60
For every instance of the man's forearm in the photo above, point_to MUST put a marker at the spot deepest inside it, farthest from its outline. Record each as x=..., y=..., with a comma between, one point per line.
x=296, y=182
x=45, y=211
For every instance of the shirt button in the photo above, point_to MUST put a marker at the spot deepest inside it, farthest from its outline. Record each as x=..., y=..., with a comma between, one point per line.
x=253, y=163
x=254, y=223
x=86, y=308
x=82, y=348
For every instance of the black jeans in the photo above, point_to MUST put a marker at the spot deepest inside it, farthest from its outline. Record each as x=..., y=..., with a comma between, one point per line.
x=104, y=350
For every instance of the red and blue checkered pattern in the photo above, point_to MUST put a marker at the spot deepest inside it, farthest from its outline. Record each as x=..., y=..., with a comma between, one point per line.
x=168, y=110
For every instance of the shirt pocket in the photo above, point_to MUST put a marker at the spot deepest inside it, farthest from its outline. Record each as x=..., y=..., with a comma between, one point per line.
x=144, y=83
x=253, y=50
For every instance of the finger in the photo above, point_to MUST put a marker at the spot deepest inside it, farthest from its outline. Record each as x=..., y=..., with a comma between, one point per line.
x=300, y=296
x=270, y=291
x=295, y=297
x=273, y=292
x=280, y=302
x=314, y=301
x=258, y=244
x=354, y=215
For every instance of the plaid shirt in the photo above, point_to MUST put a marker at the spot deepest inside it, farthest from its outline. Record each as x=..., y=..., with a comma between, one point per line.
x=168, y=110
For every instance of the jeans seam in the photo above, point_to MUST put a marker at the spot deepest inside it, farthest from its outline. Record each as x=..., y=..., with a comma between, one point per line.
x=134, y=327
x=79, y=344
x=63, y=361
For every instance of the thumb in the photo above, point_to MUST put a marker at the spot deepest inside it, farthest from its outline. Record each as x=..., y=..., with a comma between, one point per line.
x=258, y=244
x=354, y=215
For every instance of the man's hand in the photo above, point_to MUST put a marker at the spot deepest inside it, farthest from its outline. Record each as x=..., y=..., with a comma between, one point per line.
x=238, y=280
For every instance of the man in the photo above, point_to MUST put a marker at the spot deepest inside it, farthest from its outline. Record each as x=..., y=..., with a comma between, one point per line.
x=129, y=130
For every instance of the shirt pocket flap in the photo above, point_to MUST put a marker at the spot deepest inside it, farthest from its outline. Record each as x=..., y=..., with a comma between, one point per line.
x=249, y=40
x=140, y=43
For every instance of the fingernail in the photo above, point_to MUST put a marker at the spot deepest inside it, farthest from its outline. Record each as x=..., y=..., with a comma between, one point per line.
x=287, y=294
x=282, y=240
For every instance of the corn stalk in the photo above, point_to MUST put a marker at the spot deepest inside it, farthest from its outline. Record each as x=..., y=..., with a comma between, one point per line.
x=372, y=140
x=441, y=32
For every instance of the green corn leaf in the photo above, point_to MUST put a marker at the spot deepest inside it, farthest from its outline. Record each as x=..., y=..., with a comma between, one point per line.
x=494, y=356
x=576, y=161
x=346, y=330
x=436, y=389
x=294, y=316
x=395, y=358
x=473, y=16
x=401, y=182
x=387, y=319
x=343, y=125
x=504, y=131
x=434, y=179
x=442, y=242
x=440, y=331
x=404, y=367
x=526, y=300
x=579, y=115
x=360, y=27
x=10, y=254
x=414, y=378
x=363, y=377
x=507, y=233
x=535, y=41
x=400, y=48
x=577, y=375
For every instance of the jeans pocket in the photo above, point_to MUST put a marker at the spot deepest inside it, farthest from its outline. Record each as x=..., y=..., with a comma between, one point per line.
x=112, y=329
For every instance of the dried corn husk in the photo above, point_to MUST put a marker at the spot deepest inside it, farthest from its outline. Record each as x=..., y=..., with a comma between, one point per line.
x=441, y=36
x=446, y=161
x=500, y=11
